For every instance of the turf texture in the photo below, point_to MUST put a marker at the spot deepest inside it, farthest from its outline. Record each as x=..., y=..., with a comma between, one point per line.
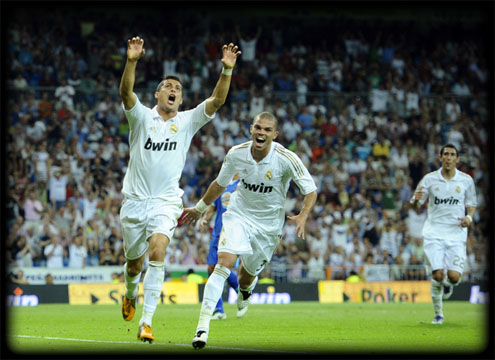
x=299, y=327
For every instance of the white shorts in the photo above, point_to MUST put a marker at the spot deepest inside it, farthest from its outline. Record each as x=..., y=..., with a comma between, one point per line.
x=441, y=255
x=255, y=247
x=142, y=218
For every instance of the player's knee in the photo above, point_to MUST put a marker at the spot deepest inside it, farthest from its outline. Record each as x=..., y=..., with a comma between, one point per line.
x=158, y=246
x=134, y=268
x=454, y=278
x=227, y=260
x=437, y=275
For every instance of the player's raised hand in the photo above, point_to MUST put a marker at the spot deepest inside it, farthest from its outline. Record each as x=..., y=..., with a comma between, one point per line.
x=135, y=49
x=190, y=216
x=229, y=55
x=300, y=224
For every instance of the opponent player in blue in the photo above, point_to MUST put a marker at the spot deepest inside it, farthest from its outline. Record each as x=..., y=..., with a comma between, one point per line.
x=219, y=206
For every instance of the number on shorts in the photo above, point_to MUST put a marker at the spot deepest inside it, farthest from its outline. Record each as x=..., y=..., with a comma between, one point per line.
x=458, y=262
x=262, y=264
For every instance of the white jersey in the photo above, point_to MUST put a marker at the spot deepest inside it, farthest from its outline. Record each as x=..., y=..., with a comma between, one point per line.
x=158, y=150
x=447, y=202
x=262, y=190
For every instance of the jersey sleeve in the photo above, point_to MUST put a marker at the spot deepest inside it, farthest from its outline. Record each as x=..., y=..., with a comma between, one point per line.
x=300, y=174
x=227, y=171
x=425, y=184
x=199, y=117
x=470, y=198
x=135, y=114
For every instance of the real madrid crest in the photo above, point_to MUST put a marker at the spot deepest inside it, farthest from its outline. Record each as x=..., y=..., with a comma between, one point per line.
x=269, y=175
x=173, y=129
x=458, y=189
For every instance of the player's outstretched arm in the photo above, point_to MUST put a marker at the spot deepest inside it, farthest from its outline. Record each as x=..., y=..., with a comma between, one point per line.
x=135, y=51
x=230, y=53
x=193, y=214
x=300, y=219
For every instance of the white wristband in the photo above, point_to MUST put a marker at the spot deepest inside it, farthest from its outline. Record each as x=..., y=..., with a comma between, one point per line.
x=470, y=218
x=201, y=206
x=227, y=71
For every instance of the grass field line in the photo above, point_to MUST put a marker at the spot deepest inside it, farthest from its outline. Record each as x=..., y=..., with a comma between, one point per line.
x=143, y=343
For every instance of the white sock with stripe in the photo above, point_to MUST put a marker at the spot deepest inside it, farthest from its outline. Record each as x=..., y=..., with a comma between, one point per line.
x=152, y=287
x=436, y=296
x=213, y=292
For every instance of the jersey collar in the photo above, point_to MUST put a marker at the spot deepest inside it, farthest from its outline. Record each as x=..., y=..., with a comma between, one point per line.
x=156, y=114
x=266, y=159
x=456, y=174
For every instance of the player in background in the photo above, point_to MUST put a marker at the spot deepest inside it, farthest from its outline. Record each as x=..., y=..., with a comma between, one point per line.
x=219, y=206
x=253, y=222
x=159, y=139
x=451, y=197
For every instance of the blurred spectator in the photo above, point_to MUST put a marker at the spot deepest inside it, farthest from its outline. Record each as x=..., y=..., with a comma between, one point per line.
x=316, y=265
x=54, y=253
x=78, y=253
x=49, y=279
x=57, y=188
x=279, y=265
x=65, y=93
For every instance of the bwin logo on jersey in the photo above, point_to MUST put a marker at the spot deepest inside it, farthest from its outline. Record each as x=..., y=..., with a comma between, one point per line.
x=448, y=201
x=164, y=145
x=257, y=188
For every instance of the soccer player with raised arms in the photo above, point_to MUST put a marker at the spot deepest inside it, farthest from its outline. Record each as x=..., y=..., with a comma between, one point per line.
x=451, y=196
x=253, y=222
x=159, y=139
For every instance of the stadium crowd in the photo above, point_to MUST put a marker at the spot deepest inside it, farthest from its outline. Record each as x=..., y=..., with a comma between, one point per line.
x=367, y=111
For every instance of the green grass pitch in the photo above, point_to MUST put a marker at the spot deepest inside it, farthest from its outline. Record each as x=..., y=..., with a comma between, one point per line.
x=368, y=328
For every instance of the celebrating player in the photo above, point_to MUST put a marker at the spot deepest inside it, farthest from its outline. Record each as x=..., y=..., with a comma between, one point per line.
x=159, y=139
x=450, y=193
x=252, y=224
x=219, y=206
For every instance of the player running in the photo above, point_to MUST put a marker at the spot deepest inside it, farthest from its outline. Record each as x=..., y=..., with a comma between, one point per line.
x=219, y=206
x=159, y=139
x=450, y=194
x=253, y=222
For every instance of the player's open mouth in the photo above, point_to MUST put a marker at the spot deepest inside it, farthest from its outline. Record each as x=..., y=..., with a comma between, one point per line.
x=260, y=140
x=171, y=99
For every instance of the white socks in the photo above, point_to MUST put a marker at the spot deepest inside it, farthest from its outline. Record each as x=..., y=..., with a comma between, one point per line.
x=436, y=296
x=213, y=292
x=131, y=284
x=152, y=286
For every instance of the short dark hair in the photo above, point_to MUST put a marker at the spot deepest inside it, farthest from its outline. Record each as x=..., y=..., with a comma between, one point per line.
x=452, y=146
x=267, y=115
x=172, y=77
